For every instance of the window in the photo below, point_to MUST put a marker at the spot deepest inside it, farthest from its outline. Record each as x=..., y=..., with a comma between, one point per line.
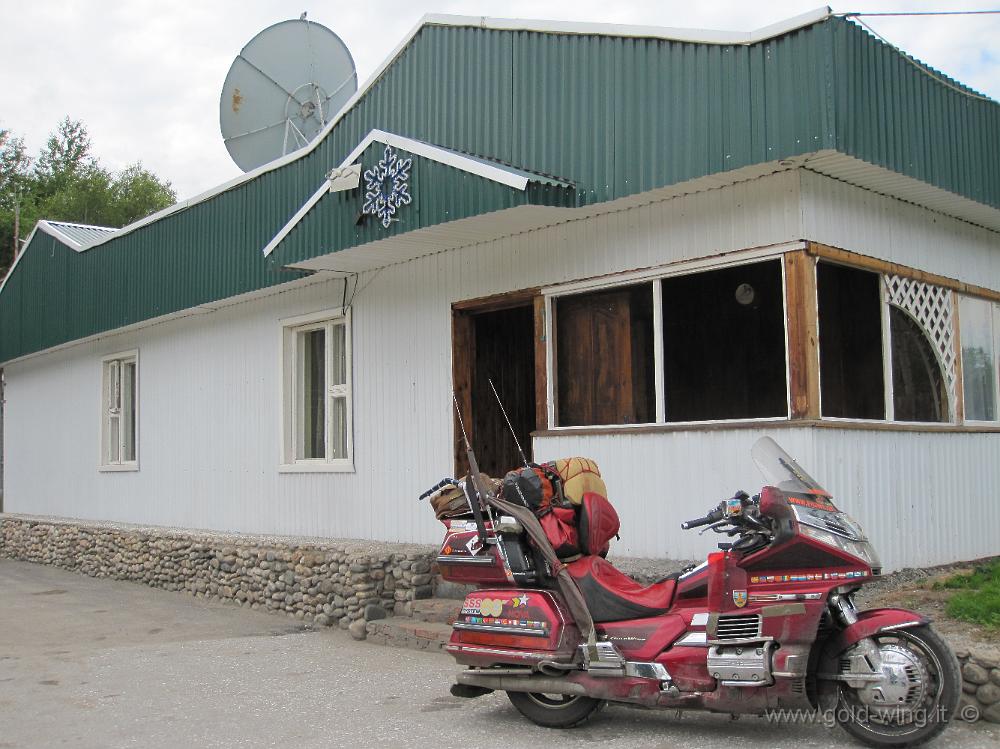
x=604, y=349
x=119, y=409
x=918, y=387
x=872, y=330
x=724, y=344
x=850, y=342
x=720, y=355
x=980, y=328
x=317, y=393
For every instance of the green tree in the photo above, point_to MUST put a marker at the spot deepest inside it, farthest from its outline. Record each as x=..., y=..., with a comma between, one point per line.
x=66, y=182
x=136, y=192
x=15, y=164
x=65, y=158
x=16, y=193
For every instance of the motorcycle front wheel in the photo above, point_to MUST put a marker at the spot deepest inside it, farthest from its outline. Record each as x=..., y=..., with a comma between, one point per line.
x=554, y=710
x=916, y=697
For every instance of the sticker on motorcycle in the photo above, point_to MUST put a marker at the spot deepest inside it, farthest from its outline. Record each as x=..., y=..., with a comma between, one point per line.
x=740, y=598
x=491, y=606
x=828, y=507
x=483, y=606
x=474, y=546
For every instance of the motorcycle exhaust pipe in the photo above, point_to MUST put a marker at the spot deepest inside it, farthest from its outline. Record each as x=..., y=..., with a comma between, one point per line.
x=543, y=684
x=552, y=668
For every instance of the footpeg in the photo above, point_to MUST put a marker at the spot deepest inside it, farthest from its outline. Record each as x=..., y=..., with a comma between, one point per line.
x=602, y=659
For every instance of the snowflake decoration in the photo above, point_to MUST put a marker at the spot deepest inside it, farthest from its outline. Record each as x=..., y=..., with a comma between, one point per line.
x=387, y=188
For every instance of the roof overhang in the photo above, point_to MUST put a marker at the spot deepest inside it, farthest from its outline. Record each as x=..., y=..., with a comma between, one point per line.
x=884, y=181
x=440, y=238
x=521, y=219
x=507, y=223
x=447, y=231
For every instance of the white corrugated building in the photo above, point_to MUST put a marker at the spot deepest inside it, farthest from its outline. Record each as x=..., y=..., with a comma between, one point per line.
x=659, y=245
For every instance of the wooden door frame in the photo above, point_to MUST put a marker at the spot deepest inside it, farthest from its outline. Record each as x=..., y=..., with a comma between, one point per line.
x=463, y=359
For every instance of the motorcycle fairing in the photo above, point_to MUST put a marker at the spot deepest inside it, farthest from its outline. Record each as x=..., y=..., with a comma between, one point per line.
x=644, y=639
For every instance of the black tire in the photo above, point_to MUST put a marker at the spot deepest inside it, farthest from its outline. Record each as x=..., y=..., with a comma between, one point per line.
x=554, y=710
x=917, y=724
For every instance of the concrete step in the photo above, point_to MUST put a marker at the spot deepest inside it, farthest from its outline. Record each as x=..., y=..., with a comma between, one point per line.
x=403, y=632
x=440, y=610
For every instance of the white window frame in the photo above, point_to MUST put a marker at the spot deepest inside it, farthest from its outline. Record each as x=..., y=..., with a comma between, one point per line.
x=106, y=463
x=290, y=328
x=995, y=312
x=653, y=276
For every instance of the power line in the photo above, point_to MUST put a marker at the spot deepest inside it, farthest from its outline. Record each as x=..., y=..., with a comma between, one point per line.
x=924, y=13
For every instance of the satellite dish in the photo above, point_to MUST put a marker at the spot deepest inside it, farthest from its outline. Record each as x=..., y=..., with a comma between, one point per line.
x=282, y=89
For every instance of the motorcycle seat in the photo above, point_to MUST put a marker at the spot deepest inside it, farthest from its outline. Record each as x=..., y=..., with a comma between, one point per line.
x=612, y=596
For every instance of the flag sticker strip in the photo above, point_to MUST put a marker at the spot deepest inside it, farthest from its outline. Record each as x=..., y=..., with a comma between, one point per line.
x=808, y=578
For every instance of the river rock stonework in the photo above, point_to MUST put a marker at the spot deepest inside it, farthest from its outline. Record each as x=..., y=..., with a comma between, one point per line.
x=327, y=583
x=980, y=686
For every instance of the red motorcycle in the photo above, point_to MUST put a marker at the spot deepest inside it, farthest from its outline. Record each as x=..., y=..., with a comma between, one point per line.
x=766, y=626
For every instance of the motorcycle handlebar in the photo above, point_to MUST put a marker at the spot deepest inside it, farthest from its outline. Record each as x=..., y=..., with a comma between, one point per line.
x=713, y=517
x=447, y=481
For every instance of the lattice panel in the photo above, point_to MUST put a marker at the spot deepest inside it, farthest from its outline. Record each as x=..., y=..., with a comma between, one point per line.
x=932, y=307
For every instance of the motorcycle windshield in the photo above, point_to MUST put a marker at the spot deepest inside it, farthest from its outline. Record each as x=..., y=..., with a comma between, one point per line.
x=782, y=472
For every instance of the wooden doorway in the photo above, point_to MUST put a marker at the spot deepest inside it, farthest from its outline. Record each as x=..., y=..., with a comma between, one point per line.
x=497, y=338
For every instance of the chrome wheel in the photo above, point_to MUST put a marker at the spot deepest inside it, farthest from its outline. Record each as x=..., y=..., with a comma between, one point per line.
x=912, y=696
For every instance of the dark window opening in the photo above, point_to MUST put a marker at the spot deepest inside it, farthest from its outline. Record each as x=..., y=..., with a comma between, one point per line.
x=918, y=387
x=850, y=342
x=604, y=357
x=724, y=344
x=505, y=354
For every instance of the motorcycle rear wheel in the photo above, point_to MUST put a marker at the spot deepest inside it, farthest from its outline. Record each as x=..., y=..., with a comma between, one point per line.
x=554, y=710
x=910, y=724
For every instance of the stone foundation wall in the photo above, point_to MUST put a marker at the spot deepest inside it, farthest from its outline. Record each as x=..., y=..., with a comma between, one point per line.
x=980, y=686
x=326, y=583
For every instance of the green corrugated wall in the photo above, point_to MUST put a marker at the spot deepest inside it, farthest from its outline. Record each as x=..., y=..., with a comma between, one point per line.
x=439, y=194
x=892, y=114
x=613, y=115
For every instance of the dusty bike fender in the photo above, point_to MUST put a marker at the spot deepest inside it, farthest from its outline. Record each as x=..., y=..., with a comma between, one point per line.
x=872, y=622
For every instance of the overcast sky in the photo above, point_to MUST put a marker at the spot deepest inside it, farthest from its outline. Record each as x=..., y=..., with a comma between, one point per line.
x=145, y=76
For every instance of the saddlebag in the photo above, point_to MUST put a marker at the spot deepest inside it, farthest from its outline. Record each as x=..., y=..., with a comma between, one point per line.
x=464, y=559
x=513, y=626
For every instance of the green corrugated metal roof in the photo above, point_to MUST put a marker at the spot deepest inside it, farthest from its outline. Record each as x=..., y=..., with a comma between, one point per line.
x=79, y=234
x=439, y=193
x=615, y=115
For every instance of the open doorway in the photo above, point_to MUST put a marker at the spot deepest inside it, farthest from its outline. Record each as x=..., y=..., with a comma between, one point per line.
x=495, y=340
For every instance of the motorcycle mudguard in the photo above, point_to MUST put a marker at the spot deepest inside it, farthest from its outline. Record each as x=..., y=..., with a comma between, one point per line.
x=870, y=623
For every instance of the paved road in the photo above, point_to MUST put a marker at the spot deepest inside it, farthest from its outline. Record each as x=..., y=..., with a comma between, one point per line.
x=97, y=663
